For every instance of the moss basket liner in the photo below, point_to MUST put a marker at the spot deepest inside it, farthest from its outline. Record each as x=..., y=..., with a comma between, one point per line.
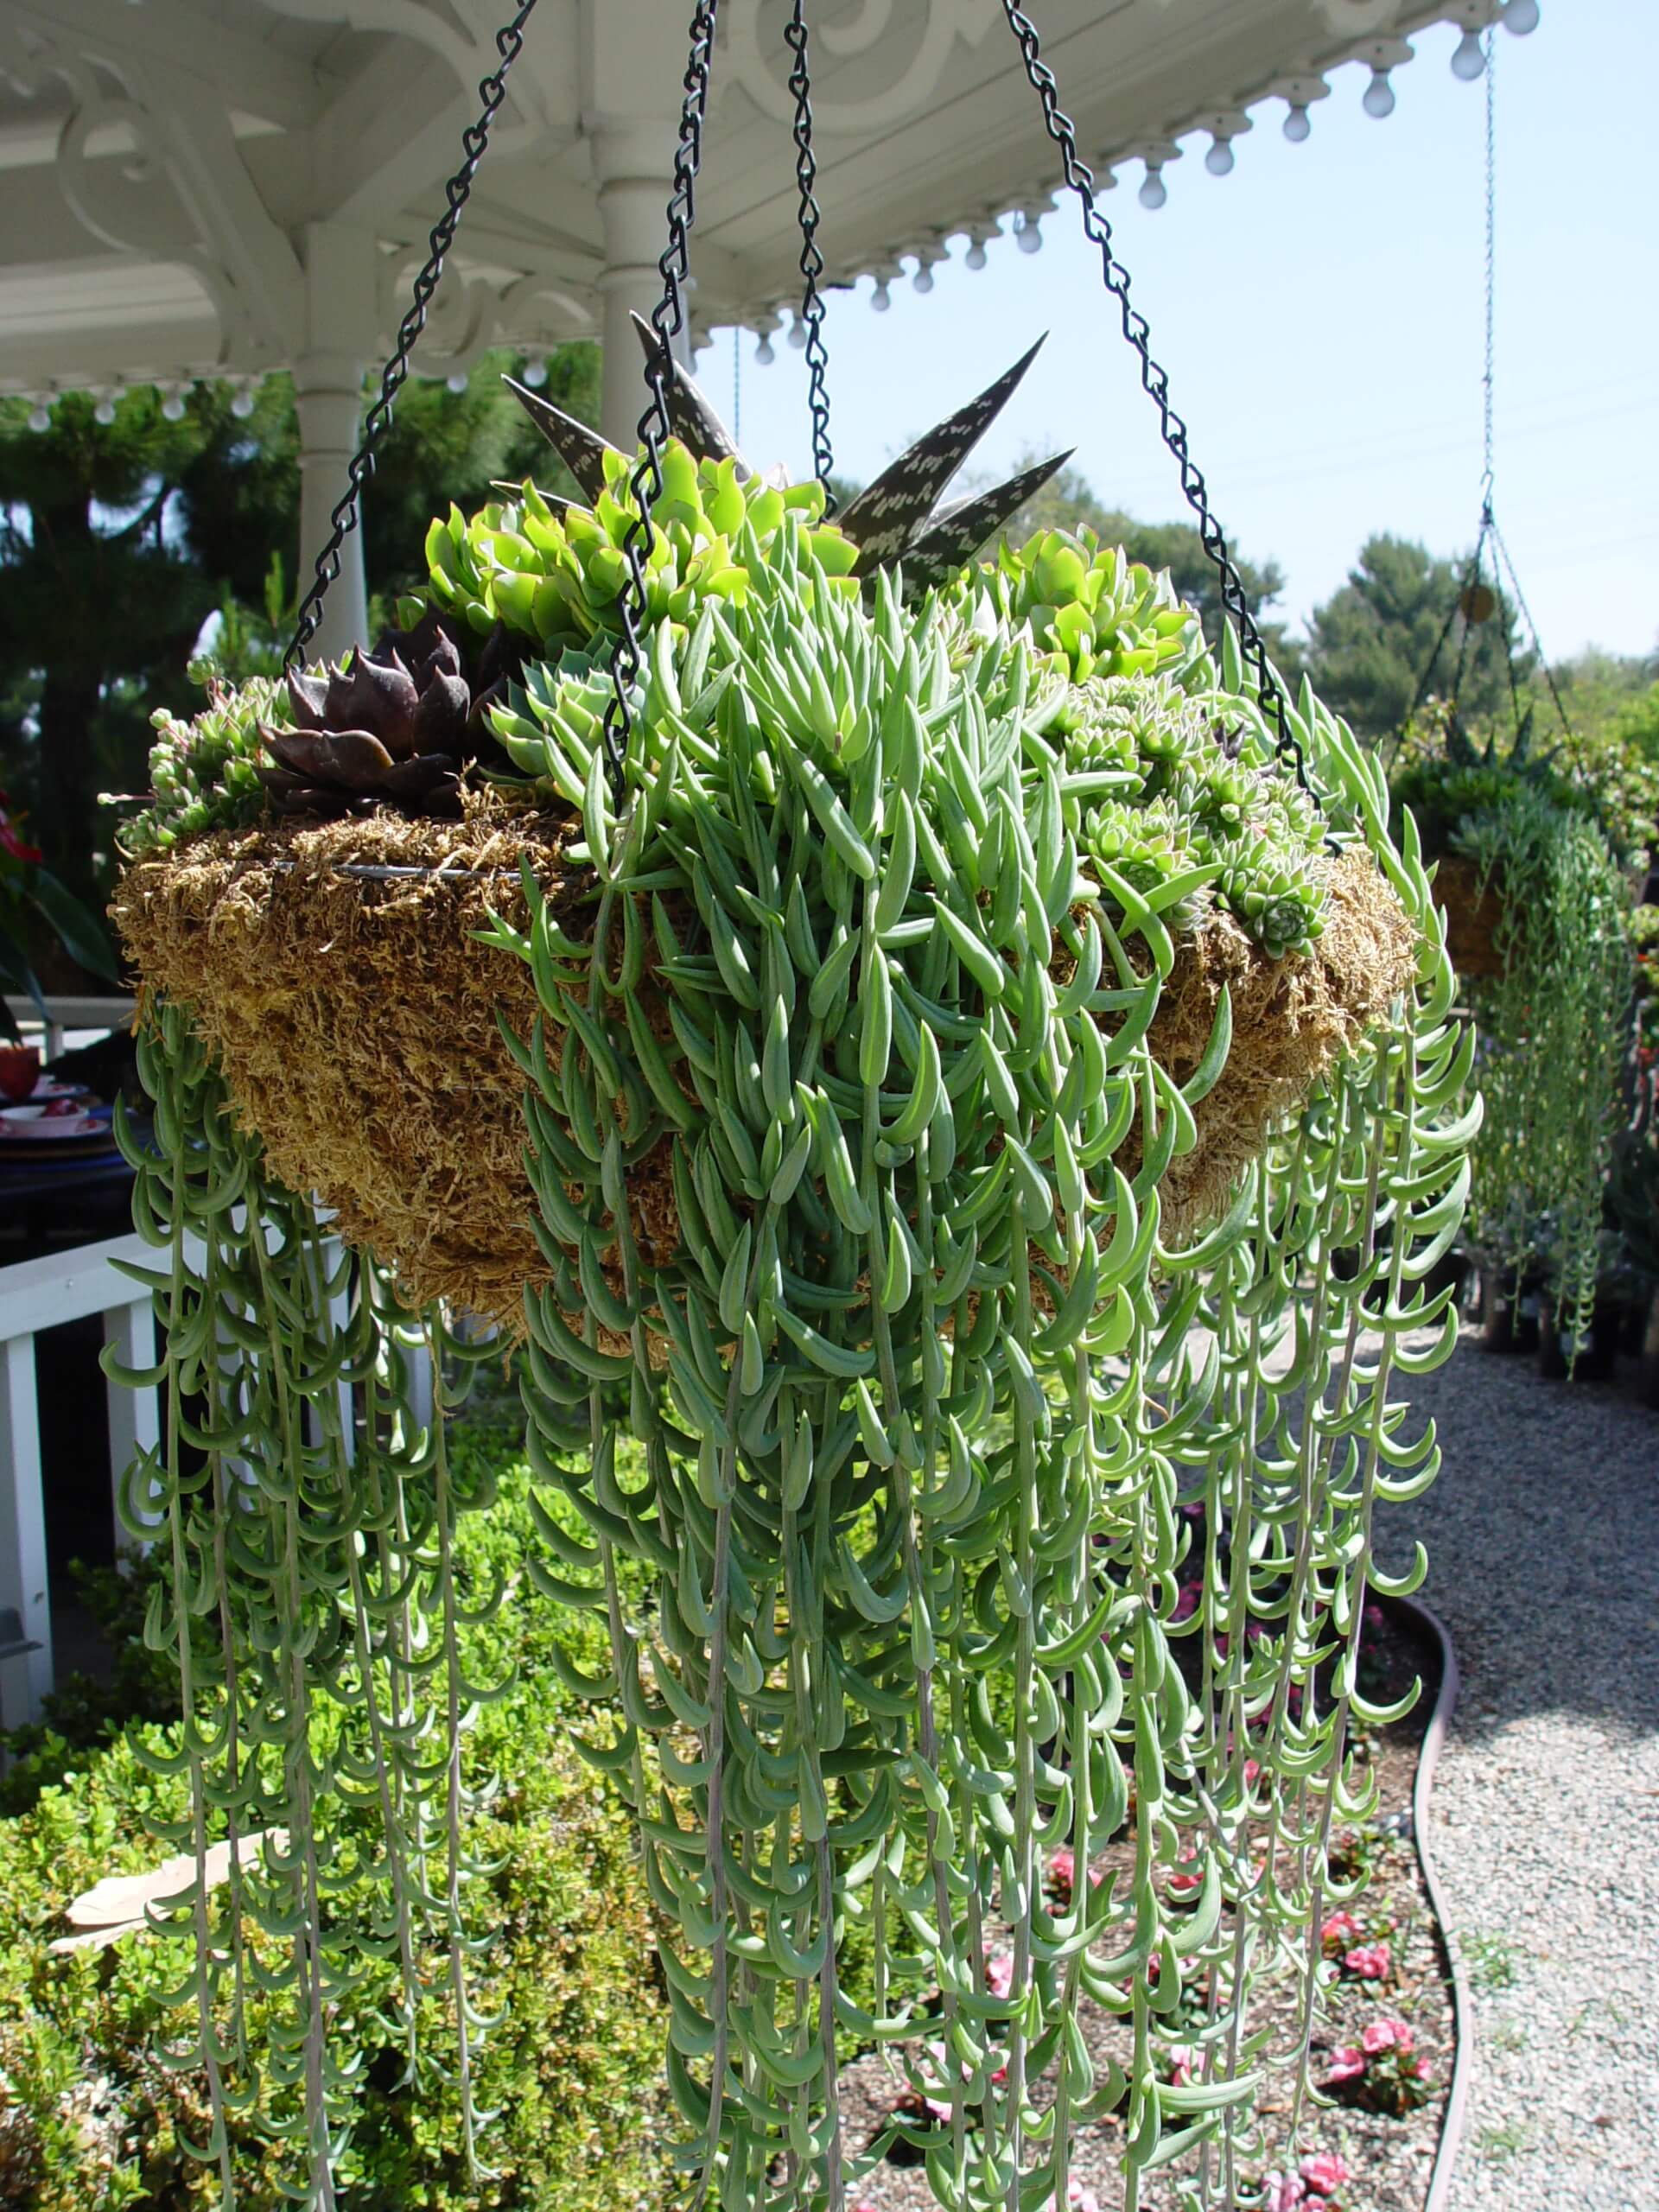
x=355, y=1019
x=1473, y=912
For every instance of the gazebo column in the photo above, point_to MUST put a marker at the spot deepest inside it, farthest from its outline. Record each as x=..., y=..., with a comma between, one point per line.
x=631, y=211
x=328, y=399
x=632, y=84
x=633, y=202
x=342, y=275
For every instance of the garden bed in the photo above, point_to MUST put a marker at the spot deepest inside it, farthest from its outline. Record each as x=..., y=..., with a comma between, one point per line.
x=1386, y=2160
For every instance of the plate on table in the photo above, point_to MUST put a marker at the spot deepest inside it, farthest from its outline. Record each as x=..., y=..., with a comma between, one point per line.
x=32, y=1124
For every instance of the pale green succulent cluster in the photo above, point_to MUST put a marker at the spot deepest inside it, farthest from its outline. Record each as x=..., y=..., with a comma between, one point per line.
x=1182, y=795
x=1103, y=613
x=203, y=771
x=554, y=576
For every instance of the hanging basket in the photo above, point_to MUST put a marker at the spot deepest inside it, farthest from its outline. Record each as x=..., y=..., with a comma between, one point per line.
x=336, y=972
x=1473, y=913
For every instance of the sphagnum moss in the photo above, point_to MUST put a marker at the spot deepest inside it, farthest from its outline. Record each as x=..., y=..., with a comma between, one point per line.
x=925, y=1383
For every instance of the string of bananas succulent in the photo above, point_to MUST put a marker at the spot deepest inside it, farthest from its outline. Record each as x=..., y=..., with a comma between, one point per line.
x=924, y=1395
x=307, y=1518
x=938, y=1410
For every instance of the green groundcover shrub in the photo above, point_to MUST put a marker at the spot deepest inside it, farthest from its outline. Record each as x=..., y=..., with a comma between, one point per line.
x=91, y=2113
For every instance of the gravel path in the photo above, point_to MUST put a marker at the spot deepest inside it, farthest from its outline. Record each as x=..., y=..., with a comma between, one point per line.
x=1544, y=1538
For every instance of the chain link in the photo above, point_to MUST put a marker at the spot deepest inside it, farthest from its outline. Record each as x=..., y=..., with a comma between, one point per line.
x=1532, y=630
x=509, y=43
x=1490, y=533
x=806, y=176
x=1080, y=179
x=667, y=321
x=1491, y=273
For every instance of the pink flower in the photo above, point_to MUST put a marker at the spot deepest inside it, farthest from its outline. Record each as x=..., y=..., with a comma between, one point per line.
x=1422, y=2069
x=939, y=2106
x=1324, y=2171
x=1347, y=2064
x=1284, y=2193
x=1341, y=1928
x=1369, y=1962
x=1063, y=1873
x=1374, y=1618
x=1183, y=2061
x=1252, y=1770
x=1386, y=2035
x=999, y=1971
x=1183, y=1885
x=1077, y=2197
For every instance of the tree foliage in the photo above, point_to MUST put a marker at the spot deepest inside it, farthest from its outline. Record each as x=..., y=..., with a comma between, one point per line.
x=1372, y=644
x=119, y=540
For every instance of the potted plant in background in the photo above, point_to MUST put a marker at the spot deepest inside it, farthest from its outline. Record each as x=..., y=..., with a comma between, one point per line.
x=1541, y=859
x=35, y=907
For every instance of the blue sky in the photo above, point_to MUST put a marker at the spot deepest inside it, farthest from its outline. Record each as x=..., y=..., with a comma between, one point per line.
x=1320, y=314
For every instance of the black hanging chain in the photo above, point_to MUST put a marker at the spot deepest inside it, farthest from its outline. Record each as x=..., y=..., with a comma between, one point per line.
x=1487, y=386
x=509, y=43
x=1464, y=604
x=1080, y=179
x=806, y=176
x=1552, y=688
x=1426, y=681
x=1488, y=522
x=1501, y=563
x=667, y=321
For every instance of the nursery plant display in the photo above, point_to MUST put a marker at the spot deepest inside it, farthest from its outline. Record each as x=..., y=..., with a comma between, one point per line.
x=986, y=1081
x=1543, y=863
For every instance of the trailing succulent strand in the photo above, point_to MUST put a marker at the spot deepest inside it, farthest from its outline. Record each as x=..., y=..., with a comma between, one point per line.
x=306, y=1517
x=989, y=1519
x=928, y=1429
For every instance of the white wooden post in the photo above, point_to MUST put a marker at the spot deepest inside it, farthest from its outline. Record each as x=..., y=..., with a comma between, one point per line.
x=22, y=1525
x=339, y=1312
x=417, y=1370
x=38, y=1295
x=134, y=1415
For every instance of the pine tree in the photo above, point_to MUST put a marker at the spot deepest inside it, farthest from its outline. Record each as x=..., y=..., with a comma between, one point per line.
x=1372, y=644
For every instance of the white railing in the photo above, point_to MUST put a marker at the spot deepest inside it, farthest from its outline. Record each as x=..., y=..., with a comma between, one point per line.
x=37, y=1294
x=66, y=1016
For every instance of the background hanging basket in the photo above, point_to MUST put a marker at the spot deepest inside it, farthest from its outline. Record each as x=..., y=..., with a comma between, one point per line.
x=355, y=1018
x=1474, y=911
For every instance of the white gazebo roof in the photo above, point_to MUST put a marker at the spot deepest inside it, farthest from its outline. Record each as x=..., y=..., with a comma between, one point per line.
x=219, y=188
